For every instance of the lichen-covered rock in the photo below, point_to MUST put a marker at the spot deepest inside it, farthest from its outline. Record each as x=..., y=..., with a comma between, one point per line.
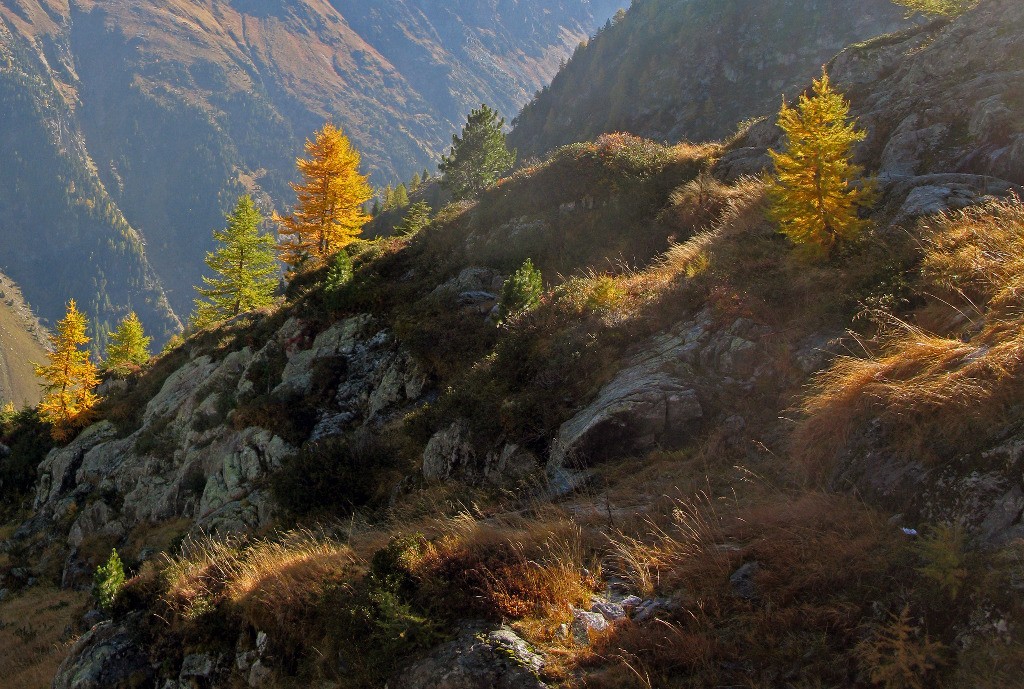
x=665, y=392
x=498, y=659
x=106, y=657
x=338, y=340
x=447, y=452
x=980, y=491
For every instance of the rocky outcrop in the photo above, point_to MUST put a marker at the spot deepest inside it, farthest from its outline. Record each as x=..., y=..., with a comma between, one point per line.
x=982, y=491
x=945, y=127
x=106, y=657
x=191, y=460
x=498, y=659
x=665, y=392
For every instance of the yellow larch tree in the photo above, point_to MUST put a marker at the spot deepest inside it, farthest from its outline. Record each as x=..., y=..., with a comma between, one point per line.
x=817, y=190
x=69, y=378
x=328, y=212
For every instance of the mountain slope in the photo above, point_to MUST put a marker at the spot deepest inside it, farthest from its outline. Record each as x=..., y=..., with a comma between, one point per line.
x=613, y=479
x=693, y=69
x=61, y=233
x=22, y=344
x=172, y=109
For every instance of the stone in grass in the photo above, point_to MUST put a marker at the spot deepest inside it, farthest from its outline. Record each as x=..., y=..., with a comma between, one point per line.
x=647, y=609
x=612, y=612
x=583, y=623
x=742, y=581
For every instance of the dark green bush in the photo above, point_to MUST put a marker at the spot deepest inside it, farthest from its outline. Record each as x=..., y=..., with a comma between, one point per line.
x=28, y=441
x=334, y=476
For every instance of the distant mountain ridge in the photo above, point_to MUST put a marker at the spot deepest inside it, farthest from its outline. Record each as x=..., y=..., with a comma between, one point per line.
x=128, y=128
x=692, y=69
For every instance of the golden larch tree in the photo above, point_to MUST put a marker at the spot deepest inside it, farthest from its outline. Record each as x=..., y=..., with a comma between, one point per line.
x=69, y=378
x=815, y=194
x=328, y=212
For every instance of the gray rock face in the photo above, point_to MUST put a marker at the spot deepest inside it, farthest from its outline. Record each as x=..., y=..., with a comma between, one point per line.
x=498, y=659
x=584, y=623
x=447, y=452
x=983, y=492
x=187, y=461
x=664, y=393
x=937, y=99
x=915, y=95
x=106, y=657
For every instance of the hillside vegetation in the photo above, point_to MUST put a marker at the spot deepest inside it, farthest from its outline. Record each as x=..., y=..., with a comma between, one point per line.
x=129, y=129
x=699, y=457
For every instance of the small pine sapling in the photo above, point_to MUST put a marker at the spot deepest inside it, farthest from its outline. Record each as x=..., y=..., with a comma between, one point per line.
x=521, y=291
x=339, y=274
x=416, y=218
x=108, y=581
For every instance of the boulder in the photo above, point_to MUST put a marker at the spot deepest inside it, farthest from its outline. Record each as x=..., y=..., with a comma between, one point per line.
x=510, y=465
x=584, y=623
x=497, y=659
x=447, y=452
x=109, y=656
x=339, y=340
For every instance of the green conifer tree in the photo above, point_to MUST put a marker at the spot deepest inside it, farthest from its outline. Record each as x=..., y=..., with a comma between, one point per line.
x=129, y=346
x=521, y=291
x=415, y=182
x=389, y=198
x=244, y=265
x=815, y=194
x=401, y=196
x=108, y=581
x=479, y=157
x=416, y=218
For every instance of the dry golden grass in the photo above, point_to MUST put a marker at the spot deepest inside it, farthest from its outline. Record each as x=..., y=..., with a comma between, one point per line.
x=647, y=559
x=512, y=567
x=978, y=254
x=274, y=582
x=935, y=389
x=32, y=636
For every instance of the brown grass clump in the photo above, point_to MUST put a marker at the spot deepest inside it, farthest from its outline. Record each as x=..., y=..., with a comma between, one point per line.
x=978, y=254
x=273, y=582
x=32, y=636
x=935, y=391
x=819, y=561
x=511, y=568
x=661, y=554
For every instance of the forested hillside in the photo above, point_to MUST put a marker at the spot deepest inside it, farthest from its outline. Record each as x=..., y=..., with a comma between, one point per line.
x=131, y=128
x=693, y=69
